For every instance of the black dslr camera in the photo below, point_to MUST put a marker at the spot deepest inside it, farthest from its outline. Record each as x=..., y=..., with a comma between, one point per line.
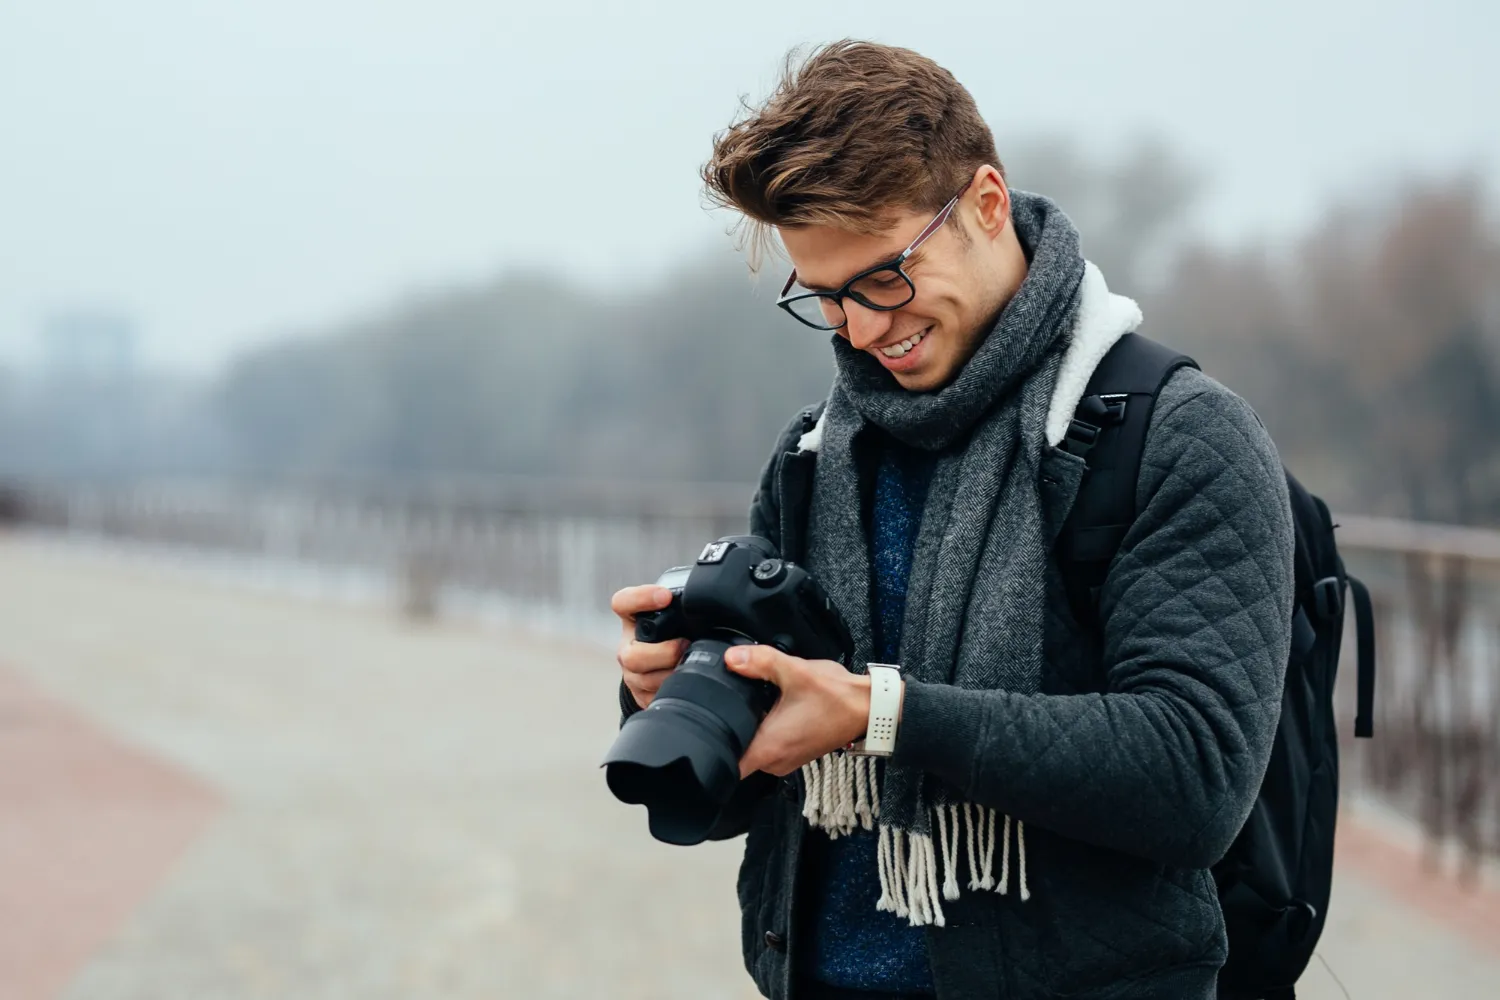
x=681, y=756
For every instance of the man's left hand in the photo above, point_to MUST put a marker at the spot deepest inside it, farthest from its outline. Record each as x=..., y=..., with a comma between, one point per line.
x=822, y=707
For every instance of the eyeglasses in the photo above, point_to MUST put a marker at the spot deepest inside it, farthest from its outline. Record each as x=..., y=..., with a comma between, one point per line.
x=884, y=287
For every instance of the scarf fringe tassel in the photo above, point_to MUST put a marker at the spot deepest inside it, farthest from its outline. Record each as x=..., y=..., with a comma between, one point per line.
x=915, y=874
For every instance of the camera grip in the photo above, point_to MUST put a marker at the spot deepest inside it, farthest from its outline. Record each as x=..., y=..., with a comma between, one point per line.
x=662, y=626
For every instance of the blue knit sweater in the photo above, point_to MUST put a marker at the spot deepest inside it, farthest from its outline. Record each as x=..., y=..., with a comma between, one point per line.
x=854, y=946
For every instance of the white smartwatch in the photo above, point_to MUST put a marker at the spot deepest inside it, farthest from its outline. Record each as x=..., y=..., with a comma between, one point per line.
x=885, y=706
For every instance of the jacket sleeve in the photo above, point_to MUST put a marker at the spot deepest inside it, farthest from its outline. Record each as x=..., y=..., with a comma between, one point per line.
x=765, y=520
x=1164, y=763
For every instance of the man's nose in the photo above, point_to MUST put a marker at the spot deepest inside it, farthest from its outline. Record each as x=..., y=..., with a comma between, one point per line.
x=865, y=325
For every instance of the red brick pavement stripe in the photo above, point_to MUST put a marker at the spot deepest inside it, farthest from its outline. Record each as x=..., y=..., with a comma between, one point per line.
x=1471, y=911
x=88, y=826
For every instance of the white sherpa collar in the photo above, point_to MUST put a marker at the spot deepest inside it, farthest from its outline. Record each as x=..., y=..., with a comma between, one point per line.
x=813, y=439
x=1103, y=318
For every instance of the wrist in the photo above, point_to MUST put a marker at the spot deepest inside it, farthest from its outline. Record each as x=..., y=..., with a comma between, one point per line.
x=857, y=710
x=883, y=692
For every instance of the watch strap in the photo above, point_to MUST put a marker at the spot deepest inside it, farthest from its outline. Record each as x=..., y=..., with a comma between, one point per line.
x=885, y=706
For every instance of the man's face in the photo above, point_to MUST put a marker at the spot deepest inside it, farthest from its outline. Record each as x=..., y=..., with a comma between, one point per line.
x=961, y=284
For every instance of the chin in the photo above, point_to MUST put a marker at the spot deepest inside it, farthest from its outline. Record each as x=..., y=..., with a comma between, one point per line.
x=923, y=381
x=931, y=377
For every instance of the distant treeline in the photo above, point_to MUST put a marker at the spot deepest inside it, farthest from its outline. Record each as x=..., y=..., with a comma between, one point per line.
x=1370, y=348
x=689, y=379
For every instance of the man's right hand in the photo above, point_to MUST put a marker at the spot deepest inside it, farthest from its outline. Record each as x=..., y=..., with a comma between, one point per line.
x=644, y=665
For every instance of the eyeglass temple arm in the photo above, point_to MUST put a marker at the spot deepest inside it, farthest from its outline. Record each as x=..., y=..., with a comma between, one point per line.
x=932, y=227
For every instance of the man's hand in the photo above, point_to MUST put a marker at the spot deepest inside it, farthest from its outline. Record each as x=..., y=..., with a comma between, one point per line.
x=822, y=707
x=644, y=665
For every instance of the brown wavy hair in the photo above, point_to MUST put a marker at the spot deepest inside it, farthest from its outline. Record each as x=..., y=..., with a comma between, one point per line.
x=852, y=134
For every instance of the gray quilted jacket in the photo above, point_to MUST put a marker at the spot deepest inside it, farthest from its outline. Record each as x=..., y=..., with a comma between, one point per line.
x=1135, y=767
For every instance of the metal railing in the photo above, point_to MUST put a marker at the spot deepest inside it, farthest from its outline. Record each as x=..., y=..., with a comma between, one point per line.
x=1435, y=588
x=566, y=546
x=1435, y=755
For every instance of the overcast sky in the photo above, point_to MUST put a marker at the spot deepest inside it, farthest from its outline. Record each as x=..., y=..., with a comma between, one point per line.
x=231, y=172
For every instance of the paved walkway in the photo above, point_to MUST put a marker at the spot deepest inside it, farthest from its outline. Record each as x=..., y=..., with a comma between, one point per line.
x=312, y=801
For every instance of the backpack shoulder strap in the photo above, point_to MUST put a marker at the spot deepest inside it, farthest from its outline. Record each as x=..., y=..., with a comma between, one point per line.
x=1364, y=620
x=794, y=476
x=1109, y=432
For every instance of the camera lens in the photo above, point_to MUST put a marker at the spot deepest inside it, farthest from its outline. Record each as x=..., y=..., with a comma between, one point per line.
x=681, y=756
x=669, y=759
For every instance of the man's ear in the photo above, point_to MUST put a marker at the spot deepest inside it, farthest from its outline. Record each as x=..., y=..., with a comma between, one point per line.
x=991, y=202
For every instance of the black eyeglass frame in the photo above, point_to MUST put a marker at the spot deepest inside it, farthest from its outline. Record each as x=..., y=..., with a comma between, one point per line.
x=846, y=290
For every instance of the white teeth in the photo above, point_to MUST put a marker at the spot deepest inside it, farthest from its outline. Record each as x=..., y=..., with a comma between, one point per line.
x=899, y=350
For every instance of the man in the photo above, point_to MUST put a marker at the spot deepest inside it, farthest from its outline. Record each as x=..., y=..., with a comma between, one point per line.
x=1058, y=788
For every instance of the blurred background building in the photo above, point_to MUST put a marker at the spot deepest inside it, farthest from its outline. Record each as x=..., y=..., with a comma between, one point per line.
x=417, y=341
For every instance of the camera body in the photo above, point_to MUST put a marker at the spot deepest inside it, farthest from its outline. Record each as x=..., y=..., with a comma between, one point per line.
x=740, y=589
x=680, y=757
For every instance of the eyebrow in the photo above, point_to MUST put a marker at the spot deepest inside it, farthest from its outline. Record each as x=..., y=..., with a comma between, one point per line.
x=915, y=258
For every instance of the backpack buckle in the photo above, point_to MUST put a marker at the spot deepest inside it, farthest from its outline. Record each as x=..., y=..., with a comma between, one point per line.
x=1081, y=437
x=1094, y=413
x=1103, y=410
x=1327, y=600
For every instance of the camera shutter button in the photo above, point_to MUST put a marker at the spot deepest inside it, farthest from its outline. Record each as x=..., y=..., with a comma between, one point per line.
x=770, y=572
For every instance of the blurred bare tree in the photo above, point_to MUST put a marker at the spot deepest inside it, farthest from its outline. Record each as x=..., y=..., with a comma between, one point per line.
x=1133, y=210
x=1409, y=317
x=687, y=380
x=1370, y=350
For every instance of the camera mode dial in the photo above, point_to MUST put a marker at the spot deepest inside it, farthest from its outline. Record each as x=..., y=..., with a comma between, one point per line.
x=770, y=572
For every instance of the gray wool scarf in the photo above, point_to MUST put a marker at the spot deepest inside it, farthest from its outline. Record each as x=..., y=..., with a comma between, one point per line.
x=975, y=599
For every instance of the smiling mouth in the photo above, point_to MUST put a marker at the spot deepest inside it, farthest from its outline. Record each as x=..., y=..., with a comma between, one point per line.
x=900, y=350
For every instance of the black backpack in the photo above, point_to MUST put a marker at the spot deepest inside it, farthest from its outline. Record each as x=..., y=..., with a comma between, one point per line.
x=1274, y=883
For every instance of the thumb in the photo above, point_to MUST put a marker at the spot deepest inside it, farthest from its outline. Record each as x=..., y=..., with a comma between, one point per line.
x=760, y=662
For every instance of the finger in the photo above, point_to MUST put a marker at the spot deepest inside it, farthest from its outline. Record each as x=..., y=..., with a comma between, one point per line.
x=646, y=685
x=646, y=680
x=643, y=657
x=628, y=602
x=765, y=663
x=766, y=755
x=652, y=680
x=754, y=760
x=772, y=761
